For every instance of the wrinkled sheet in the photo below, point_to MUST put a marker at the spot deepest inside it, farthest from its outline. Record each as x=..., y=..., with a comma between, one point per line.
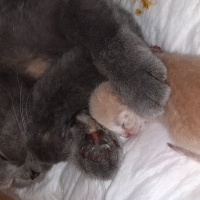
x=150, y=169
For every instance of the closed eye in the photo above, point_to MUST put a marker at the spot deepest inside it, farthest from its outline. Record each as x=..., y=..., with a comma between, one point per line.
x=3, y=158
x=118, y=122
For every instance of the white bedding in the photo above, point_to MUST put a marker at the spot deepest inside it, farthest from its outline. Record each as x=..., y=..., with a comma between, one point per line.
x=150, y=169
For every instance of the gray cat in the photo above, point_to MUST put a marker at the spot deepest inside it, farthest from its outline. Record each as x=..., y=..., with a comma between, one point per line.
x=108, y=47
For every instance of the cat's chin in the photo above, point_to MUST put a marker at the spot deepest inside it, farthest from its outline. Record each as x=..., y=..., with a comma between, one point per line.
x=21, y=183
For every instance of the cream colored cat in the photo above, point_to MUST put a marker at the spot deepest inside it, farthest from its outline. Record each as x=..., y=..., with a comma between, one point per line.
x=182, y=116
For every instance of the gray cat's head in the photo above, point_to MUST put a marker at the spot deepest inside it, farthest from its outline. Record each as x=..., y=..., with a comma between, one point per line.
x=18, y=166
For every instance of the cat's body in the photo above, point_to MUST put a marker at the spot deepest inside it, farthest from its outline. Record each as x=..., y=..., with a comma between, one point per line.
x=182, y=114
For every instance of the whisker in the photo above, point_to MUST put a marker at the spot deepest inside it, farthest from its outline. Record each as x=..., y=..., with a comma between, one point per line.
x=22, y=110
x=13, y=107
x=21, y=103
x=21, y=130
x=26, y=105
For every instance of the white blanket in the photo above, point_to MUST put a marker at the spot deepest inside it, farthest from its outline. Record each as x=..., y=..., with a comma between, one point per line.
x=150, y=169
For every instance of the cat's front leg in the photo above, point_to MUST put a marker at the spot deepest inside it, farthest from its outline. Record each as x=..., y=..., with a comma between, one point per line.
x=136, y=73
x=119, y=53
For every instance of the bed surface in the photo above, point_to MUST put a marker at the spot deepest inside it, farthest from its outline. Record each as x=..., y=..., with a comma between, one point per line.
x=150, y=169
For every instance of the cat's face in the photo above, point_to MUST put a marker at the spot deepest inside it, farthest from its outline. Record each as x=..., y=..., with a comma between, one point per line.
x=18, y=165
x=109, y=110
x=121, y=121
x=126, y=123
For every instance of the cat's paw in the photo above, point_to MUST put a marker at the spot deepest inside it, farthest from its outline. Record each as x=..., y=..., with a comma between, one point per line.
x=146, y=90
x=97, y=151
x=98, y=154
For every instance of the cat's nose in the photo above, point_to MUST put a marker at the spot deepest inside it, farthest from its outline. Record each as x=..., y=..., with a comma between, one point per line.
x=31, y=174
x=34, y=174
